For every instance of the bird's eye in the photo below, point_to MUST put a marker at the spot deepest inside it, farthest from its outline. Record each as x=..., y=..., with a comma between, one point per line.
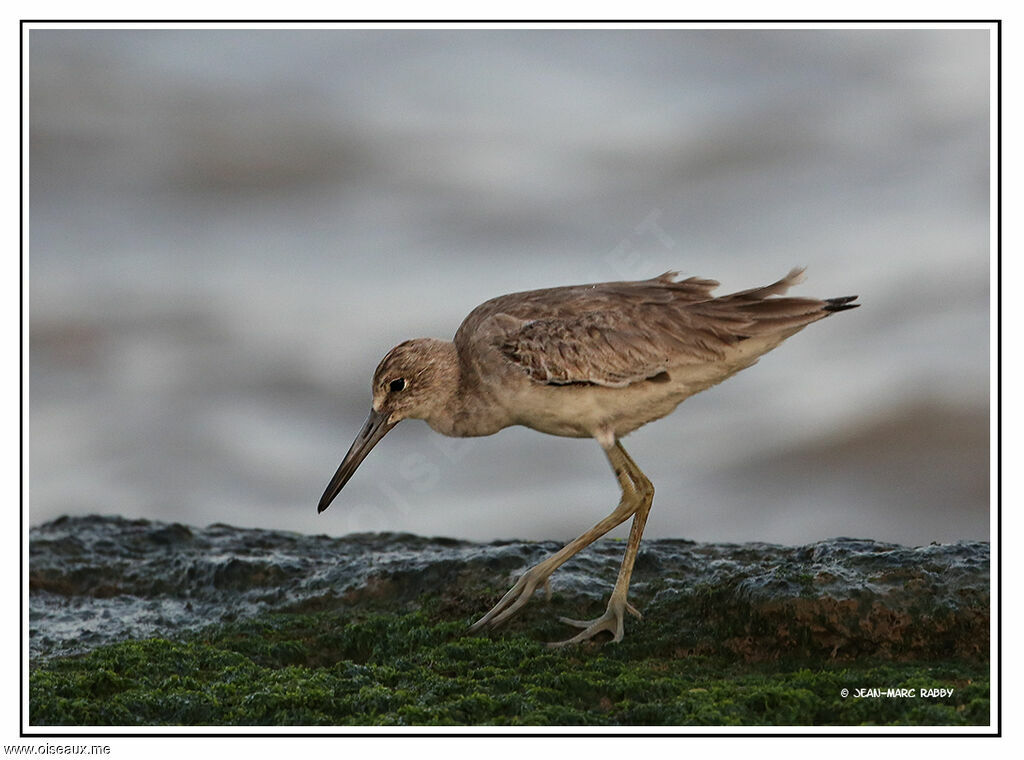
x=397, y=385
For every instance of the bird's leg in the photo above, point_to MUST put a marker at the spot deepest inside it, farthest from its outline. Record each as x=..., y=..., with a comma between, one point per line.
x=612, y=619
x=634, y=495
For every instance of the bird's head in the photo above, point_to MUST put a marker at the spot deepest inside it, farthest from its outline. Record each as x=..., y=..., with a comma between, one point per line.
x=412, y=381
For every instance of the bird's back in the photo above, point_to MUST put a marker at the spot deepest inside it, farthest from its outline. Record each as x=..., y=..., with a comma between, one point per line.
x=572, y=300
x=618, y=333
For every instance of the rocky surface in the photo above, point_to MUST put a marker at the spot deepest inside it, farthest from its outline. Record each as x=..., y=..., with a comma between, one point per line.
x=95, y=580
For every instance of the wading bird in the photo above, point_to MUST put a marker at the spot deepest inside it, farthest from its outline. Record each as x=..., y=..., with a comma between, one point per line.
x=586, y=361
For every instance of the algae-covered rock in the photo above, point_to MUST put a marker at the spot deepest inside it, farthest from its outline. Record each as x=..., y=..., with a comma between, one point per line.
x=361, y=668
x=96, y=580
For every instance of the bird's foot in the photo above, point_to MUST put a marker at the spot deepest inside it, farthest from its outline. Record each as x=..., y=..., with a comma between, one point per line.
x=516, y=597
x=612, y=621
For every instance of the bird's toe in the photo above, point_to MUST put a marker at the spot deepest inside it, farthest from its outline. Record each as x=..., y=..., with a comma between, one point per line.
x=612, y=621
x=515, y=598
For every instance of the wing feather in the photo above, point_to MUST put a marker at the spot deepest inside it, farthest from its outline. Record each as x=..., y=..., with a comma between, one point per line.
x=618, y=333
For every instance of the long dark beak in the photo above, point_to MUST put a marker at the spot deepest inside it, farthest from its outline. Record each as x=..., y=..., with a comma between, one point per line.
x=376, y=427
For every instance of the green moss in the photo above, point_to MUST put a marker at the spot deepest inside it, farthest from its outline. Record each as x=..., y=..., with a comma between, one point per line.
x=405, y=669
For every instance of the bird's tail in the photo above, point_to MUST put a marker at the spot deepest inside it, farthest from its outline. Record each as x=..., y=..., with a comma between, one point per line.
x=840, y=304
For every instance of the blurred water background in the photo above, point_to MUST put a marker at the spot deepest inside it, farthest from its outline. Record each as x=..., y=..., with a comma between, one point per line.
x=230, y=228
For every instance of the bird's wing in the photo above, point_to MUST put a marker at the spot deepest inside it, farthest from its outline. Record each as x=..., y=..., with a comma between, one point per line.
x=605, y=349
x=615, y=334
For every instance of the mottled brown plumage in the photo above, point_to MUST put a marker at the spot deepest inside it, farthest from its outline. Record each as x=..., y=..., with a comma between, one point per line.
x=582, y=361
x=618, y=333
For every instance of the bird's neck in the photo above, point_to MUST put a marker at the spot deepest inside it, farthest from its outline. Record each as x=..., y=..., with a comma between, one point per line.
x=459, y=407
x=445, y=382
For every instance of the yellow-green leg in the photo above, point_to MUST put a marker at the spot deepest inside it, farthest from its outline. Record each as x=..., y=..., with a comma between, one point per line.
x=637, y=495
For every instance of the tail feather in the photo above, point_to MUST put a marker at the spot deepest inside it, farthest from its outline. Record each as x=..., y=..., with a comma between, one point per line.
x=840, y=304
x=777, y=288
